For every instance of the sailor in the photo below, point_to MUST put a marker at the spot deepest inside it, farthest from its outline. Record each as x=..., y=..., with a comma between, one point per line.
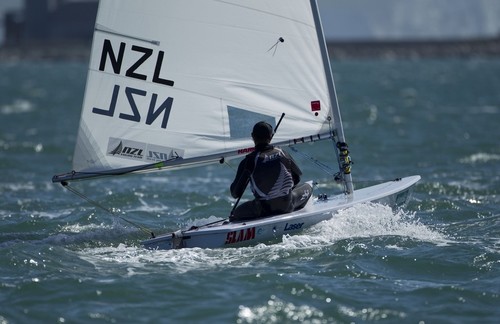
x=274, y=177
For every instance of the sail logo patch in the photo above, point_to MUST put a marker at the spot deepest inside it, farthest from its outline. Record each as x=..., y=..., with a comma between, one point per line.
x=127, y=149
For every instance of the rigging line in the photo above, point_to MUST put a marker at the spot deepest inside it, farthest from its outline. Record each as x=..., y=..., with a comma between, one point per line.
x=321, y=165
x=110, y=211
x=205, y=225
x=375, y=181
x=229, y=165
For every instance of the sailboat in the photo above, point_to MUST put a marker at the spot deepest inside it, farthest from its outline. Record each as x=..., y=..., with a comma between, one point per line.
x=180, y=83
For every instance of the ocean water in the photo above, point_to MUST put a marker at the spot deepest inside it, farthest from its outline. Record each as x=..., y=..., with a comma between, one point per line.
x=437, y=261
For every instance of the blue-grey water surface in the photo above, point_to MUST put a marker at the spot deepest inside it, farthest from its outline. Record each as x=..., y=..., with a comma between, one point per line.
x=438, y=261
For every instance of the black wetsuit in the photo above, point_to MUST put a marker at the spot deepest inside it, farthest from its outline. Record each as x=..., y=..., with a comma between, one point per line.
x=273, y=176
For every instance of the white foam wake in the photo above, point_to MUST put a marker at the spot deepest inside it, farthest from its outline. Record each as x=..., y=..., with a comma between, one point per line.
x=369, y=220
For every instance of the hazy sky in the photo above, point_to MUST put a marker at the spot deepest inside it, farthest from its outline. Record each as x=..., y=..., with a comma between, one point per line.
x=365, y=19
x=410, y=18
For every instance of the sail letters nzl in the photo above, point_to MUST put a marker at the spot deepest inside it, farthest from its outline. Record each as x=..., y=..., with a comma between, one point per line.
x=143, y=55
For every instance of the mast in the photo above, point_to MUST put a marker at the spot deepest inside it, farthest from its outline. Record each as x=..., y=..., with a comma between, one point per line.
x=337, y=119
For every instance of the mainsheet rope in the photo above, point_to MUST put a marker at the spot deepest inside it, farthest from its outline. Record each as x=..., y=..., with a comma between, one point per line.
x=110, y=211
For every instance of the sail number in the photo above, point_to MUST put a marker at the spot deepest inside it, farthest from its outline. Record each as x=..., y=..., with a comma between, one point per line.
x=144, y=57
x=156, y=108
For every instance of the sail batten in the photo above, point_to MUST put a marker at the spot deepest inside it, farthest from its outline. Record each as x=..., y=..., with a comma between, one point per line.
x=103, y=29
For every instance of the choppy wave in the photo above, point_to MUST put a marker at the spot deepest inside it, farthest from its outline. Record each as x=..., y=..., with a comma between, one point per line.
x=18, y=106
x=480, y=158
x=368, y=263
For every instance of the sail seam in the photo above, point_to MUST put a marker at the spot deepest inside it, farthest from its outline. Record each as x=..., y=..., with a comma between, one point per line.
x=266, y=12
x=103, y=29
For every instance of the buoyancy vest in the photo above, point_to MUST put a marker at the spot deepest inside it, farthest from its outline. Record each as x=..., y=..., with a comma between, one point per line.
x=271, y=177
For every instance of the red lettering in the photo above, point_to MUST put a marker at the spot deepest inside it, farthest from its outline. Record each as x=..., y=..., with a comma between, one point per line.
x=240, y=236
x=230, y=238
x=246, y=150
x=250, y=235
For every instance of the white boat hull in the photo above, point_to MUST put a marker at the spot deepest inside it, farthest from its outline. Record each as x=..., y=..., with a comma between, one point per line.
x=393, y=193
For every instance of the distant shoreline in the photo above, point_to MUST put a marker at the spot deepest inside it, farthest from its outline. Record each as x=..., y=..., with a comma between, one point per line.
x=61, y=51
x=479, y=47
x=339, y=50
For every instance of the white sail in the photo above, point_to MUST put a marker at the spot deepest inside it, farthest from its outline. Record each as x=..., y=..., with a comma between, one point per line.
x=189, y=78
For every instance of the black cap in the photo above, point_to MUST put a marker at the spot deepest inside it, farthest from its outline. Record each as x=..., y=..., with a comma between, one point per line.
x=262, y=131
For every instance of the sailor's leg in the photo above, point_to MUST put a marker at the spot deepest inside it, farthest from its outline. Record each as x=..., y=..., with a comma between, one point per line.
x=247, y=210
x=301, y=194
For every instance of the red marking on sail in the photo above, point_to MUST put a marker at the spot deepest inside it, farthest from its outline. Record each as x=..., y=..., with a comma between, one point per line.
x=315, y=105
